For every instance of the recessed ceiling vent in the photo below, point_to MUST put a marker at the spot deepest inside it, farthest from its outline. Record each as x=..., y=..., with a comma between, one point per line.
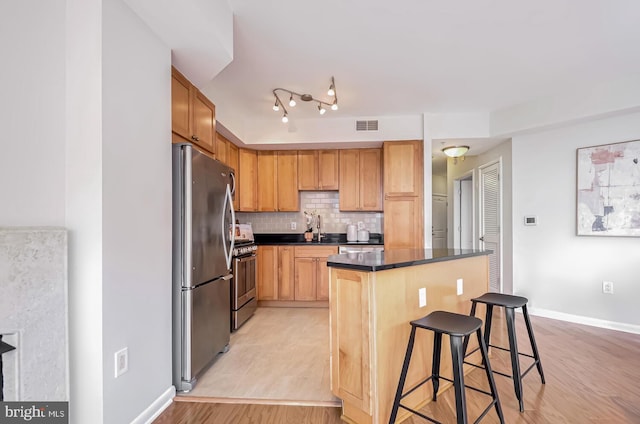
x=367, y=125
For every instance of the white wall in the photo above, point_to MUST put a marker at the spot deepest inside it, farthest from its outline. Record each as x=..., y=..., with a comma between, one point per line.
x=32, y=156
x=136, y=183
x=558, y=271
x=86, y=145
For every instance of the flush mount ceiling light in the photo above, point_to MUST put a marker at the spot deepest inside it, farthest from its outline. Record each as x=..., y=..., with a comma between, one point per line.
x=333, y=104
x=455, y=151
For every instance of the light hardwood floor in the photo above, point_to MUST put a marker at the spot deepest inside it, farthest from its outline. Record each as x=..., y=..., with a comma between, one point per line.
x=592, y=374
x=280, y=354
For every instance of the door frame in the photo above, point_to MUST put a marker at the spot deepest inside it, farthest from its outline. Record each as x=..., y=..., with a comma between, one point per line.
x=457, y=204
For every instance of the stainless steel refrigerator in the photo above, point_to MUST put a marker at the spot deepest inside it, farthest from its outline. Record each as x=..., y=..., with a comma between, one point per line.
x=202, y=245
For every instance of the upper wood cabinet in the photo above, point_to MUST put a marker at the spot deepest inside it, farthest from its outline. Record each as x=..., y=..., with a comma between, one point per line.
x=247, y=180
x=278, y=182
x=222, y=148
x=403, y=168
x=318, y=170
x=361, y=180
x=193, y=116
x=404, y=197
x=267, y=182
x=232, y=161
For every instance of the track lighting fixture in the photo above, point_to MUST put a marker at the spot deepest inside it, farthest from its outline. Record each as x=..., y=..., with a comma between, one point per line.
x=322, y=105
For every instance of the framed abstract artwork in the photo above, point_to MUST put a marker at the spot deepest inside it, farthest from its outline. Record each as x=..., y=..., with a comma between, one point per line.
x=608, y=190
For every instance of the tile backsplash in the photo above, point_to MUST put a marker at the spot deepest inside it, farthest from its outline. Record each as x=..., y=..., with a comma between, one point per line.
x=324, y=203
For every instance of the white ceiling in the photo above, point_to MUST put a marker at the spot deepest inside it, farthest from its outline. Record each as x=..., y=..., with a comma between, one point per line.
x=422, y=56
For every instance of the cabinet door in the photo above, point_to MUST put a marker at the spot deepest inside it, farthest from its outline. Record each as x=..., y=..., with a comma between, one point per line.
x=267, y=286
x=307, y=170
x=349, y=180
x=247, y=180
x=267, y=183
x=204, y=121
x=403, y=223
x=322, y=283
x=286, y=273
x=180, y=104
x=232, y=156
x=305, y=279
x=370, y=180
x=328, y=170
x=403, y=170
x=287, y=182
x=222, y=149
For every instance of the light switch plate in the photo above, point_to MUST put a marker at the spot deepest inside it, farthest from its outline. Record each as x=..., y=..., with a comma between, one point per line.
x=422, y=297
x=459, y=284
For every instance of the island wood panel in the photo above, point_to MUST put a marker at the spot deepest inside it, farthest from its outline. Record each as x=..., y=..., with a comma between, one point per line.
x=390, y=298
x=350, y=342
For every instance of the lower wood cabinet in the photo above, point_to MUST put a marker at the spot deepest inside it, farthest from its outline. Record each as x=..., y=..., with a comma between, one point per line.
x=294, y=273
x=311, y=274
x=267, y=284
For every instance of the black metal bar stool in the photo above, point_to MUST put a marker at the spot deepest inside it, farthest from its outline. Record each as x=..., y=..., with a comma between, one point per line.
x=509, y=303
x=458, y=327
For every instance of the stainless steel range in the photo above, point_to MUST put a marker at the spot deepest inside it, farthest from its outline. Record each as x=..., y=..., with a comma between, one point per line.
x=243, y=285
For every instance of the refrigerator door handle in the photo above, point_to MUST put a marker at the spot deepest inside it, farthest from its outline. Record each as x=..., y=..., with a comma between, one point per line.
x=228, y=253
x=233, y=182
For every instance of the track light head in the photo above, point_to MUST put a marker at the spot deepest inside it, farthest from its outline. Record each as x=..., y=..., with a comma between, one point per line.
x=292, y=102
x=334, y=105
x=276, y=107
x=321, y=109
x=284, y=118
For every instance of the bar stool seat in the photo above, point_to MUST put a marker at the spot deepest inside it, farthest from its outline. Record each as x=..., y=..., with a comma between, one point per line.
x=509, y=303
x=458, y=327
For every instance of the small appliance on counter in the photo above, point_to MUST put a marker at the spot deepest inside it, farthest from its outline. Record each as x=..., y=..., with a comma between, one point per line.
x=363, y=234
x=352, y=233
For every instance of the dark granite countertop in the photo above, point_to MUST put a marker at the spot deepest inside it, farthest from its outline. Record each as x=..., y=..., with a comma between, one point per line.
x=375, y=239
x=398, y=258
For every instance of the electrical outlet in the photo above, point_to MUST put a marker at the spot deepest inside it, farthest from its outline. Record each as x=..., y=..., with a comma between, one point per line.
x=293, y=225
x=459, y=287
x=121, y=361
x=607, y=287
x=422, y=297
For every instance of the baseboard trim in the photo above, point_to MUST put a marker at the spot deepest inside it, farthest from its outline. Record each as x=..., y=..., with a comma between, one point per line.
x=154, y=410
x=578, y=319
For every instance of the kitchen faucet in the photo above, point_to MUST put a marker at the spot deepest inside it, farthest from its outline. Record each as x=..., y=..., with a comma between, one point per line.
x=319, y=230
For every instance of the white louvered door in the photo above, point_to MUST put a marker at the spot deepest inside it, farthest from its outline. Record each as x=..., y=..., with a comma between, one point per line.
x=490, y=222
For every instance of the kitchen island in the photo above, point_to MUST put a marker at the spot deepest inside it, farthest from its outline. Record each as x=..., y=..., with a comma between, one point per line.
x=373, y=296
